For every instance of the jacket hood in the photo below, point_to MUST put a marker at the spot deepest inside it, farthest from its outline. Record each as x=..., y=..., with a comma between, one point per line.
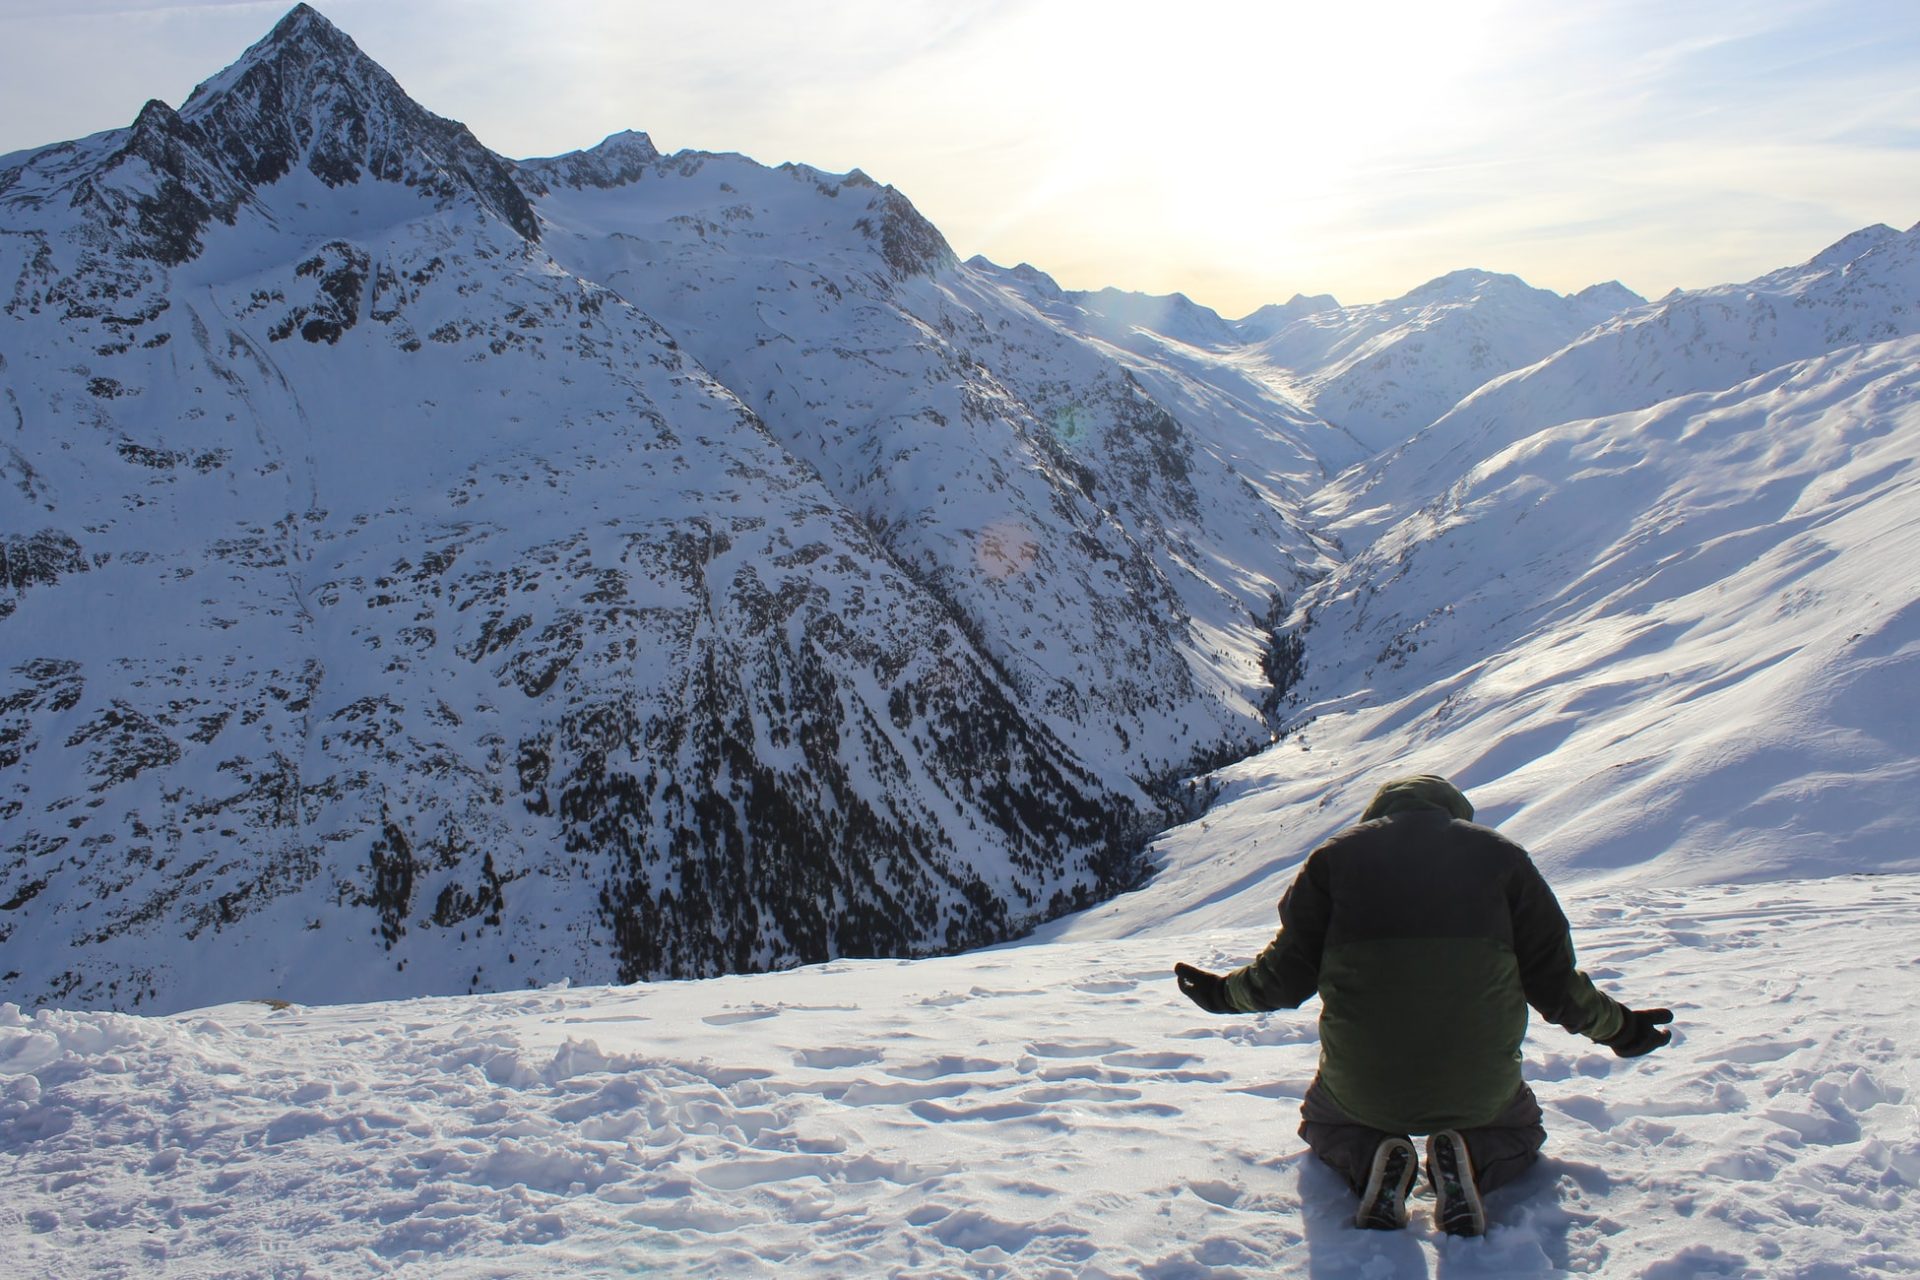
x=1421, y=791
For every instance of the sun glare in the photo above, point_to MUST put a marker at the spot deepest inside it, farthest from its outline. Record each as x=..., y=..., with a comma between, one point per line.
x=1281, y=114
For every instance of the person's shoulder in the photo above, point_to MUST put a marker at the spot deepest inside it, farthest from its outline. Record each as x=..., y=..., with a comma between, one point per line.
x=1360, y=833
x=1481, y=828
x=1489, y=839
x=1391, y=830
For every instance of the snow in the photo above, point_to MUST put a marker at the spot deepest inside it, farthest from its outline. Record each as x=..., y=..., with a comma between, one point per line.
x=1040, y=1110
x=344, y=582
x=1862, y=289
x=1649, y=640
x=964, y=415
x=1382, y=372
x=1640, y=579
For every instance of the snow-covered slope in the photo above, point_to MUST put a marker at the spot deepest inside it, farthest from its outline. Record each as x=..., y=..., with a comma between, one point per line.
x=1041, y=1113
x=390, y=605
x=1054, y=1108
x=1865, y=288
x=1020, y=473
x=1677, y=645
x=1113, y=313
x=1263, y=323
x=1239, y=407
x=1384, y=371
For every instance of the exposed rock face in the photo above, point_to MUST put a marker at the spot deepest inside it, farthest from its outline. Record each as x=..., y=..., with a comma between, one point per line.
x=39, y=559
x=409, y=594
x=617, y=161
x=160, y=190
x=909, y=244
x=306, y=97
x=1113, y=565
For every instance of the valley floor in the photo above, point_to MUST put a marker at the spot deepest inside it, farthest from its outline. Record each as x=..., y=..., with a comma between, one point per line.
x=1039, y=1110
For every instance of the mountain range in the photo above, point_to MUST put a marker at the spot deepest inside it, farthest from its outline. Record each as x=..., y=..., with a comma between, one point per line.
x=425, y=571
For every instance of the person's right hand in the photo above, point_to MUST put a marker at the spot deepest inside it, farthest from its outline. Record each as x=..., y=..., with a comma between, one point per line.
x=1208, y=990
x=1640, y=1032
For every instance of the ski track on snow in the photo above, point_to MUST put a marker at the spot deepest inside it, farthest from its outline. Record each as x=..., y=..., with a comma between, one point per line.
x=1035, y=1111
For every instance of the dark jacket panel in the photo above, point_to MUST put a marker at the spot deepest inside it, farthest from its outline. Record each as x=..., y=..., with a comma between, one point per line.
x=1426, y=938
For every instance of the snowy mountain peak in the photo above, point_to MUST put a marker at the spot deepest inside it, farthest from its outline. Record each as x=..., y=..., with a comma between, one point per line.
x=1173, y=315
x=1610, y=296
x=306, y=27
x=306, y=97
x=301, y=54
x=728, y=581
x=1852, y=245
x=1466, y=285
x=1260, y=325
x=1859, y=290
x=1385, y=370
x=156, y=116
x=911, y=245
x=147, y=192
x=1026, y=273
x=619, y=159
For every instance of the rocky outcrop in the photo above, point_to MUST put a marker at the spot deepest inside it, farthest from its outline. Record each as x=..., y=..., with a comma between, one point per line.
x=306, y=97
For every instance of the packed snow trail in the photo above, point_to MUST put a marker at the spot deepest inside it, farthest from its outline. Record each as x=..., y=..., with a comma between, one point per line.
x=1049, y=1110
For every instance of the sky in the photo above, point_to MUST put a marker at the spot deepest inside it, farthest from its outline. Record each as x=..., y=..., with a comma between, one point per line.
x=1238, y=152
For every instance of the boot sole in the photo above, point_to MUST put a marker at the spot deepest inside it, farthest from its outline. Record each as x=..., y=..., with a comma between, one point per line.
x=1462, y=1214
x=1384, y=1207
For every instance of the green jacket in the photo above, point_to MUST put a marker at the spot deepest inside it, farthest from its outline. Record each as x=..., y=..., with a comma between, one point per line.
x=1427, y=937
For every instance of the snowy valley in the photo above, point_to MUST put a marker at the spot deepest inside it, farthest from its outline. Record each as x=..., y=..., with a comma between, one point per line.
x=436, y=587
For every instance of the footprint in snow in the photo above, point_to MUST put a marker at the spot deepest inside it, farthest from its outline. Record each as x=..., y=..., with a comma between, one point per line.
x=829, y=1059
x=1088, y=1049
x=736, y=1016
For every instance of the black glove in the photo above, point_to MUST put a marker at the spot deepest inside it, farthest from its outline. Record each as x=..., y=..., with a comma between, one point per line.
x=1208, y=990
x=1640, y=1032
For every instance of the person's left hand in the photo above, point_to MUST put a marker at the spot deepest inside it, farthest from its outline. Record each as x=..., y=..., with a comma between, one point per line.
x=1641, y=1032
x=1208, y=990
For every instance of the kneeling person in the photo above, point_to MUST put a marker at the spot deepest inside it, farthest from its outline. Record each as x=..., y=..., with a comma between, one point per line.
x=1426, y=937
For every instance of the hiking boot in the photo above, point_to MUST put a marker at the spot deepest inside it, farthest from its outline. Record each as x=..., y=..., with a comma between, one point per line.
x=1458, y=1211
x=1383, y=1205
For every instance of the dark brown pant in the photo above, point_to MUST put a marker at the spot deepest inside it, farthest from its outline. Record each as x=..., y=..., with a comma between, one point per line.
x=1501, y=1150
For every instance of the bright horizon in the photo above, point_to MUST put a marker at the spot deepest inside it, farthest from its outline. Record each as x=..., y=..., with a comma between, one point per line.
x=1238, y=157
